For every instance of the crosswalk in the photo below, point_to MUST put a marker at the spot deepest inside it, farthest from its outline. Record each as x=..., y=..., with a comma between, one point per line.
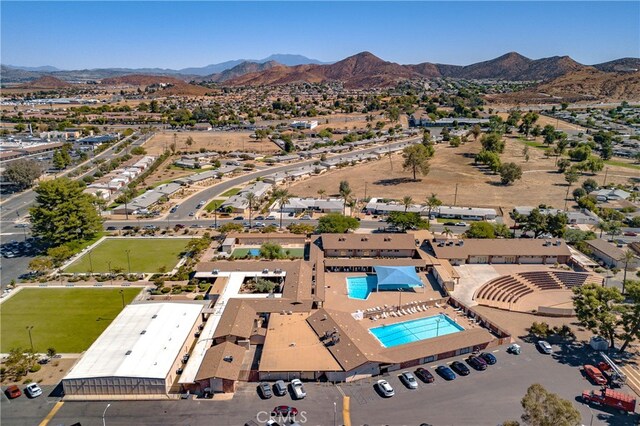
x=633, y=376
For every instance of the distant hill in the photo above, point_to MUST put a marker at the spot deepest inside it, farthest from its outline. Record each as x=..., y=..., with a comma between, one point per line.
x=46, y=83
x=284, y=59
x=166, y=85
x=620, y=65
x=594, y=84
x=44, y=68
x=240, y=70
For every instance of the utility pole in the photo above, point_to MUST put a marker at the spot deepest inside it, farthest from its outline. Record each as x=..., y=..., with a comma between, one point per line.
x=90, y=262
x=29, y=328
x=122, y=294
x=606, y=170
x=455, y=196
x=128, y=260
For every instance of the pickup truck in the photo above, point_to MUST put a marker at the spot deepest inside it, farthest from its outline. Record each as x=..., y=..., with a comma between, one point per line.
x=594, y=374
x=298, y=389
x=610, y=398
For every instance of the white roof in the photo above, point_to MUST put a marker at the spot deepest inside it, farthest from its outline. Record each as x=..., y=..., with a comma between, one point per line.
x=151, y=354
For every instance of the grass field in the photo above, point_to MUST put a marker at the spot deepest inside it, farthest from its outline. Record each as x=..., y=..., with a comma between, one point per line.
x=231, y=192
x=213, y=205
x=146, y=255
x=68, y=319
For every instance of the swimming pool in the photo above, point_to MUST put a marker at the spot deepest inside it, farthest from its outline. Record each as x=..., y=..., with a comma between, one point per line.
x=415, y=330
x=360, y=287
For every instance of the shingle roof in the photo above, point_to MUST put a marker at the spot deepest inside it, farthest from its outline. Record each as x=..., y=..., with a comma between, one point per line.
x=237, y=320
x=368, y=241
x=214, y=364
x=501, y=247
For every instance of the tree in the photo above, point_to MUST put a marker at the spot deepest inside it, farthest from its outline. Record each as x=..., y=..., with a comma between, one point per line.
x=63, y=213
x=138, y=150
x=251, y=199
x=528, y=120
x=570, y=177
x=630, y=316
x=590, y=185
x=393, y=114
x=432, y=203
x=492, y=142
x=345, y=194
x=563, y=165
x=23, y=172
x=59, y=254
x=476, y=131
x=480, y=230
x=321, y=192
x=578, y=193
x=20, y=127
x=336, y=223
x=490, y=159
x=627, y=256
x=282, y=197
x=59, y=161
x=535, y=222
x=407, y=201
x=595, y=309
x=231, y=227
x=416, y=159
x=509, y=173
x=543, y=408
x=557, y=224
x=580, y=153
x=40, y=264
x=270, y=250
x=300, y=228
x=407, y=220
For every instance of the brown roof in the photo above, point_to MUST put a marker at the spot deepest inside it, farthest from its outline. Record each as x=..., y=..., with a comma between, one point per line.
x=316, y=258
x=267, y=236
x=501, y=247
x=214, y=365
x=237, y=320
x=606, y=248
x=372, y=261
x=355, y=346
x=368, y=241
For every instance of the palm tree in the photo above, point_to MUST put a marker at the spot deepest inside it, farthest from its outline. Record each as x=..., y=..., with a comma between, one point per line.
x=447, y=232
x=345, y=194
x=406, y=202
x=282, y=196
x=627, y=257
x=251, y=198
x=321, y=193
x=432, y=202
x=603, y=226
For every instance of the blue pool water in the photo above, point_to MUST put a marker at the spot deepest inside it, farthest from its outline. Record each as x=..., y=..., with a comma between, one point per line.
x=254, y=251
x=360, y=287
x=414, y=330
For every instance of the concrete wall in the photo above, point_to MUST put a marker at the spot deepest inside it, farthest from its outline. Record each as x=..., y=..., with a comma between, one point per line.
x=115, y=386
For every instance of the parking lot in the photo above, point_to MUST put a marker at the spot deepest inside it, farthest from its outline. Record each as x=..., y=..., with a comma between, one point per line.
x=482, y=398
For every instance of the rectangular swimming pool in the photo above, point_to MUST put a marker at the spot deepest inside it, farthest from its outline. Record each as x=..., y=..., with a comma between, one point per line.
x=361, y=287
x=415, y=330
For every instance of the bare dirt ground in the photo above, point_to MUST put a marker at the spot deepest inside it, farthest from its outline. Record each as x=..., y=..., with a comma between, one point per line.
x=211, y=141
x=540, y=182
x=50, y=373
x=543, y=120
x=164, y=173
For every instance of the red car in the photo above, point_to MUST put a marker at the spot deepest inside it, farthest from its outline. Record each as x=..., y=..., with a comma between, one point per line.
x=284, y=411
x=424, y=375
x=630, y=234
x=13, y=392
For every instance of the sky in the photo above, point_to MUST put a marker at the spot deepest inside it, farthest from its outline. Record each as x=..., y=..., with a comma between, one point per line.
x=76, y=35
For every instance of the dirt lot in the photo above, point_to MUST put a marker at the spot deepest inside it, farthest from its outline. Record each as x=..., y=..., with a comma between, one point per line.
x=211, y=141
x=51, y=373
x=540, y=182
x=543, y=120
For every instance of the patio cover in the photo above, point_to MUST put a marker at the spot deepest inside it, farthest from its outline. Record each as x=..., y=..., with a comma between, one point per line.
x=399, y=276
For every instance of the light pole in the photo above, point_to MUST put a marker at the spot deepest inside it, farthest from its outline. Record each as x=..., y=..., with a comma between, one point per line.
x=128, y=260
x=122, y=294
x=335, y=413
x=110, y=274
x=90, y=262
x=29, y=328
x=104, y=413
x=399, y=298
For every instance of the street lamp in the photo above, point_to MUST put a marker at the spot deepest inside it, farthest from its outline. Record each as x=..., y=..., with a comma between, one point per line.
x=122, y=294
x=335, y=413
x=110, y=274
x=128, y=260
x=104, y=413
x=29, y=328
x=90, y=262
x=399, y=298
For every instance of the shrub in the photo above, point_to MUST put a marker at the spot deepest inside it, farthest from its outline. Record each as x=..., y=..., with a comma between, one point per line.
x=35, y=368
x=539, y=329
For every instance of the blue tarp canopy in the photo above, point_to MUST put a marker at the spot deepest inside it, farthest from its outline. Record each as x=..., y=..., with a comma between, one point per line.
x=397, y=276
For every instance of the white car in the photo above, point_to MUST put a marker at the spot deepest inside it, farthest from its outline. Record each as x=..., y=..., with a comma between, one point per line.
x=33, y=390
x=305, y=217
x=461, y=223
x=385, y=388
x=298, y=389
x=409, y=380
x=545, y=347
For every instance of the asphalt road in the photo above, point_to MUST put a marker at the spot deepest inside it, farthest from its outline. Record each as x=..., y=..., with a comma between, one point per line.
x=483, y=398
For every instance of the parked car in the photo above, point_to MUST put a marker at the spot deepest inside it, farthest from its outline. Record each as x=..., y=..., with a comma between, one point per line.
x=280, y=388
x=238, y=218
x=514, y=348
x=460, y=368
x=477, y=363
x=192, y=213
x=425, y=375
x=284, y=411
x=111, y=228
x=631, y=234
x=185, y=358
x=298, y=389
x=270, y=217
x=449, y=224
x=265, y=390
x=259, y=218
x=179, y=226
x=545, y=347
x=445, y=372
x=13, y=392
x=461, y=223
x=409, y=380
x=259, y=225
x=385, y=388
x=33, y=390
x=490, y=359
x=127, y=228
x=305, y=217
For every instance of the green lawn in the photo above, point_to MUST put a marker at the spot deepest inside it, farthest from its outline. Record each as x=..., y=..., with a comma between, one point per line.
x=532, y=144
x=293, y=252
x=68, y=319
x=213, y=205
x=146, y=255
x=231, y=192
x=622, y=164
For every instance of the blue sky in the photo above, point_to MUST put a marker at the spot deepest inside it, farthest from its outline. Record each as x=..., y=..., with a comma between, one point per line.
x=74, y=35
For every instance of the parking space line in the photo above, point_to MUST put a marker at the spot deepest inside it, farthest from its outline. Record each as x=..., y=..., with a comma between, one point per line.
x=346, y=411
x=52, y=413
x=340, y=390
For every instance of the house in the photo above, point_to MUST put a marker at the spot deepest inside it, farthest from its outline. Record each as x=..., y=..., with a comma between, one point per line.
x=505, y=251
x=583, y=217
x=610, y=255
x=299, y=205
x=368, y=245
x=188, y=163
x=304, y=124
x=610, y=194
x=202, y=127
x=466, y=213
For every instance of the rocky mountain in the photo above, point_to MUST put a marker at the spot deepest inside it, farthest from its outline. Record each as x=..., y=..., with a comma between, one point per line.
x=46, y=83
x=284, y=59
x=164, y=85
x=620, y=65
x=43, y=68
x=592, y=84
x=240, y=70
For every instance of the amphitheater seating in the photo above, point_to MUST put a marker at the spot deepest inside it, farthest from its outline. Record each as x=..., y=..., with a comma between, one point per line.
x=508, y=289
